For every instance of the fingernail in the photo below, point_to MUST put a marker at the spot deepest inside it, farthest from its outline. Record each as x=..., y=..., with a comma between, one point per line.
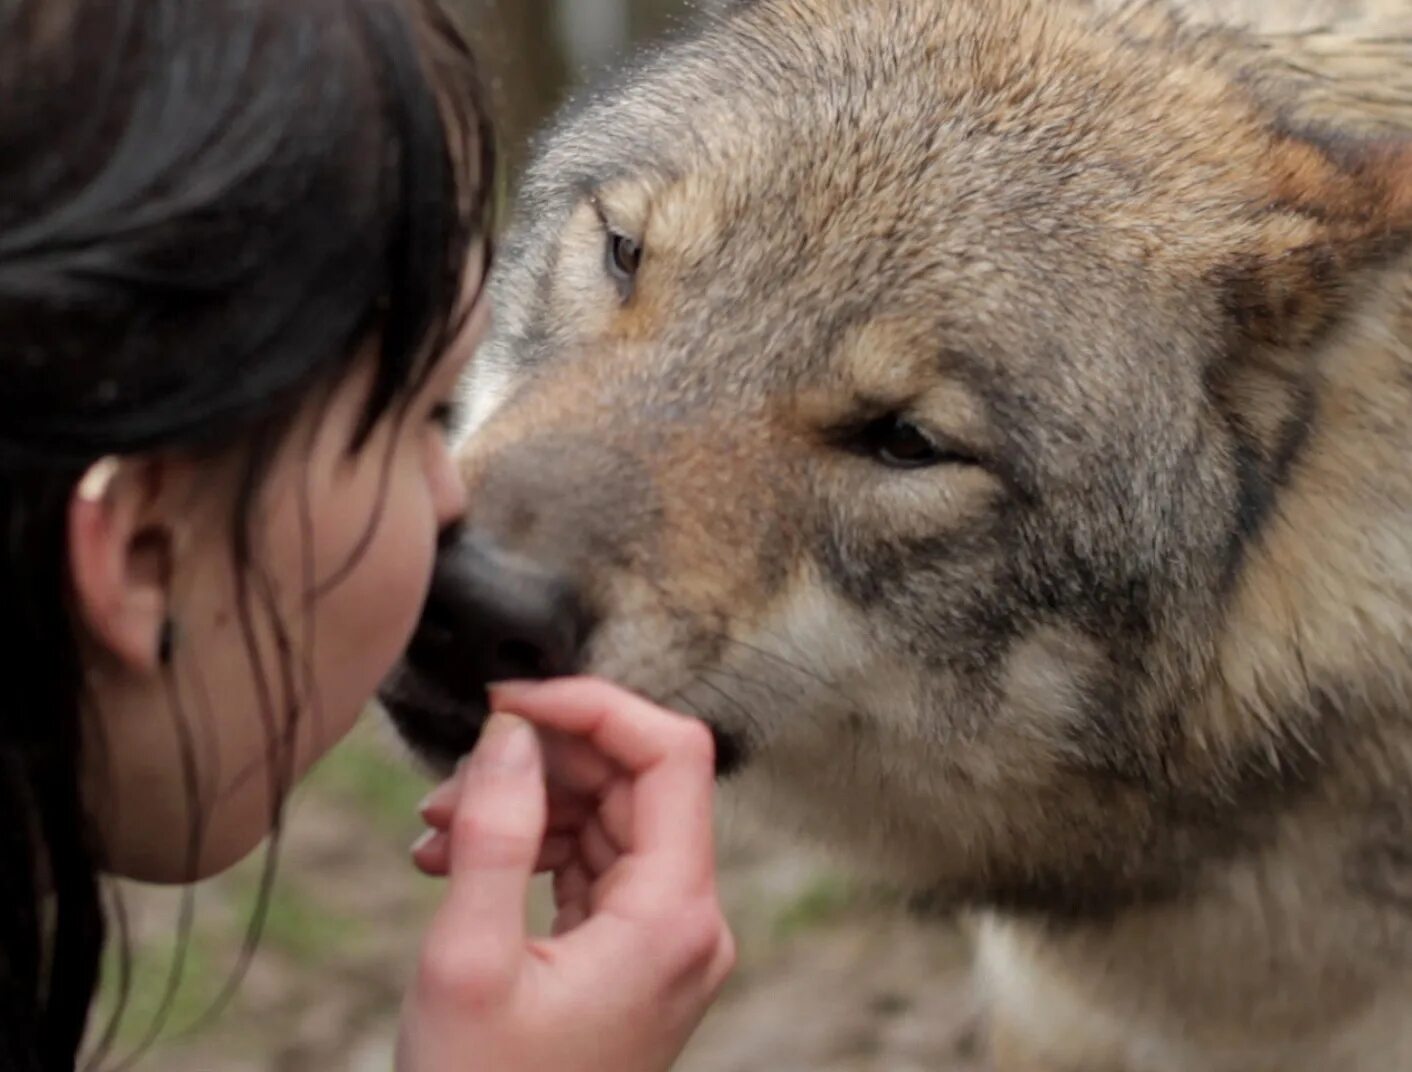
x=442, y=796
x=507, y=742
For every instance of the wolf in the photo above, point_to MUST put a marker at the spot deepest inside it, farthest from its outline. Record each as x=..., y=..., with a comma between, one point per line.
x=992, y=418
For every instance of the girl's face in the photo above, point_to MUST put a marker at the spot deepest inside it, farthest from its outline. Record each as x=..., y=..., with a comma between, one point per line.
x=271, y=666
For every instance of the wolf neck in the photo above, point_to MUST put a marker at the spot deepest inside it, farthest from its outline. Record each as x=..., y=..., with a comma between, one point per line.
x=1303, y=940
x=1293, y=960
x=1323, y=604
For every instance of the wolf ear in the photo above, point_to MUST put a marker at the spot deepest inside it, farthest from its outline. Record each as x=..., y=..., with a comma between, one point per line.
x=1338, y=207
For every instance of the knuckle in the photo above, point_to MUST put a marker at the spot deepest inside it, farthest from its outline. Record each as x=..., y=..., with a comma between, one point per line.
x=453, y=973
x=482, y=840
x=595, y=686
x=728, y=952
x=696, y=936
x=695, y=744
x=724, y=962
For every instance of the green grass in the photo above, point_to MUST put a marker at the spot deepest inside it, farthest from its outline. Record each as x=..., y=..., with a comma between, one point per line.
x=824, y=900
x=204, y=971
x=382, y=787
x=295, y=924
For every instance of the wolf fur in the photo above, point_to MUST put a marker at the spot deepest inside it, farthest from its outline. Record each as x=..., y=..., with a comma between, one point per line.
x=1123, y=665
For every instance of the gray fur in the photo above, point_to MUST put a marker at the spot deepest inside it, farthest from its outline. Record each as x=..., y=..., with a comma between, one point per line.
x=1094, y=674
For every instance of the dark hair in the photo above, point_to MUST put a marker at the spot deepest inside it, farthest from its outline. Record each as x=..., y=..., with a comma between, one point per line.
x=208, y=210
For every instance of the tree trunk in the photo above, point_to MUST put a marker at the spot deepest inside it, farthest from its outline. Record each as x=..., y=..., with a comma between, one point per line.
x=519, y=48
x=594, y=33
x=534, y=51
x=650, y=17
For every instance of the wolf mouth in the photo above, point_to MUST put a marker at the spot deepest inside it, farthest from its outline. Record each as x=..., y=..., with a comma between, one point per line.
x=442, y=727
x=439, y=727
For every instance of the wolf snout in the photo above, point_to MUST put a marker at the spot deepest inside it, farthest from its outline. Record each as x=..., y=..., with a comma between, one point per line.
x=493, y=615
x=490, y=616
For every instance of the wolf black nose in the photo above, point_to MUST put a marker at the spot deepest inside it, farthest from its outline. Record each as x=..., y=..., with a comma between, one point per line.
x=494, y=616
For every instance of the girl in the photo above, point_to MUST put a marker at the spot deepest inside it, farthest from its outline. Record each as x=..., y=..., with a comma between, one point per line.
x=242, y=244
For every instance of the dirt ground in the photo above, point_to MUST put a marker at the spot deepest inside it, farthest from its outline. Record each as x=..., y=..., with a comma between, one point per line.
x=831, y=979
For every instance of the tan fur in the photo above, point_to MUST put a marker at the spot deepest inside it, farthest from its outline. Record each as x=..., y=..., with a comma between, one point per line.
x=1329, y=590
x=1125, y=668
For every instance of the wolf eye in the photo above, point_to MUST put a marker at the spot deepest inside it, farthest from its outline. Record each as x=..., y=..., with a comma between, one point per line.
x=900, y=444
x=624, y=258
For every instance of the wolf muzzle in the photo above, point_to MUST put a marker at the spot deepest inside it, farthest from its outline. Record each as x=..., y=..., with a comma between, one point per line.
x=490, y=615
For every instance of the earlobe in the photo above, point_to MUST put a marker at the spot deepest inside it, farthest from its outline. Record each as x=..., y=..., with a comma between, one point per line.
x=120, y=565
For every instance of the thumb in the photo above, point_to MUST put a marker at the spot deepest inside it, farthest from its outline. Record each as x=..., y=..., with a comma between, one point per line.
x=495, y=839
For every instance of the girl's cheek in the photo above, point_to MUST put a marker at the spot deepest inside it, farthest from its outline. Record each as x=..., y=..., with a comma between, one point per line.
x=448, y=493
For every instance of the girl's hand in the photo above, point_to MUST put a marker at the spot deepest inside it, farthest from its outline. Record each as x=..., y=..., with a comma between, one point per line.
x=640, y=948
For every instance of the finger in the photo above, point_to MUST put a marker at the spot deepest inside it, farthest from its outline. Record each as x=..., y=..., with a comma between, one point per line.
x=574, y=769
x=556, y=853
x=568, y=918
x=597, y=849
x=671, y=758
x=616, y=813
x=573, y=765
x=438, y=806
x=432, y=854
x=624, y=727
x=572, y=889
x=432, y=851
x=495, y=840
x=723, y=962
x=568, y=814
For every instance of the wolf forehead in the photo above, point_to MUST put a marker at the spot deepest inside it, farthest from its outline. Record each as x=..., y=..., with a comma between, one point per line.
x=979, y=113
x=959, y=154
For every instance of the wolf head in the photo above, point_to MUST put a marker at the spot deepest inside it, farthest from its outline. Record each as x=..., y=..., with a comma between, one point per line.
x=913, y=391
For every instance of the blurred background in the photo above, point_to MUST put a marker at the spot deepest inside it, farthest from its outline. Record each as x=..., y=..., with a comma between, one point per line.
x=536, y=52
x=833, y=976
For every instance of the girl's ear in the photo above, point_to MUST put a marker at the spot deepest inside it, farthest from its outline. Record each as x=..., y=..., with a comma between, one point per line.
x=121, y=550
